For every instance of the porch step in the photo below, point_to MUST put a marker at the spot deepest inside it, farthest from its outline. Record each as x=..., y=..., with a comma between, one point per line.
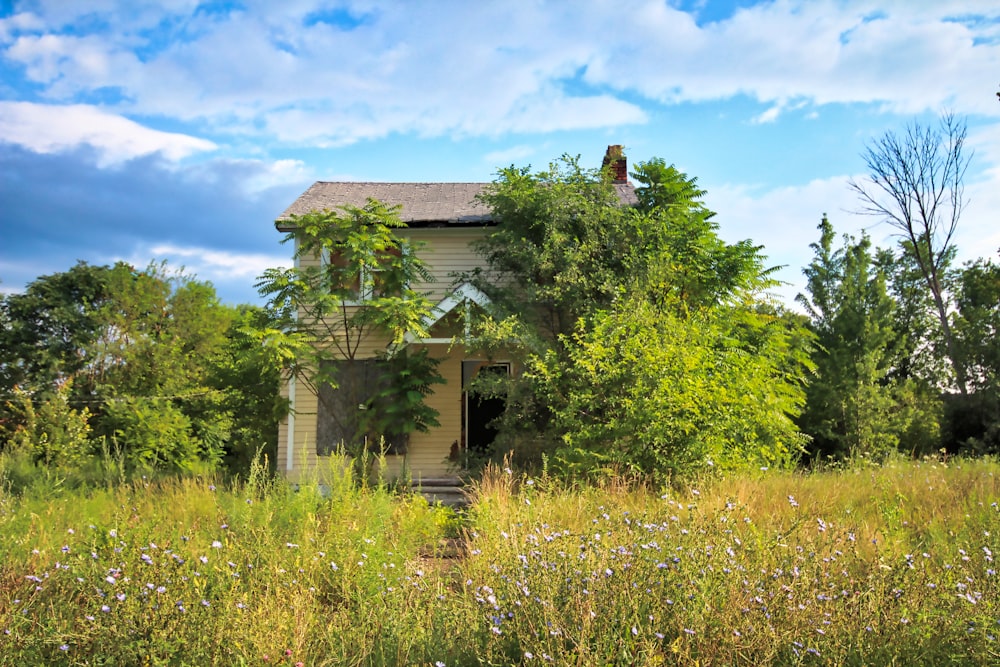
x=448, y=491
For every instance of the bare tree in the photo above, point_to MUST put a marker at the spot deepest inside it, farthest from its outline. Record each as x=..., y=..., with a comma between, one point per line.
x=915, y=185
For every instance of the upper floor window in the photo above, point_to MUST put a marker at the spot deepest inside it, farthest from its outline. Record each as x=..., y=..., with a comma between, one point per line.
x=372, y=276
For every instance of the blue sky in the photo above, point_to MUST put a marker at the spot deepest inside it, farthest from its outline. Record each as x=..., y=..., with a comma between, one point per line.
x=178, y=130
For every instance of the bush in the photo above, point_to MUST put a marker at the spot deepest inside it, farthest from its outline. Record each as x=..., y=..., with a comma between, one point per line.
x=151, y=433
x=48, y=429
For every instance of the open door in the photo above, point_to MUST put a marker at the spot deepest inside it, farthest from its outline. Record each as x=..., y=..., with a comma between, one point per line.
x=481, y=412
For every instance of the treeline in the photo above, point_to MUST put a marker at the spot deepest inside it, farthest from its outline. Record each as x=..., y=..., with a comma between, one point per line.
x=117, y=369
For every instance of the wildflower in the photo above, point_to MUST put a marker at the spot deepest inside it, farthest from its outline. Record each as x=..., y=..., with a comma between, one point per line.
x=688, y=631
x=216, y=544
x=64, y=647
x=635, y=631
x=105, y=608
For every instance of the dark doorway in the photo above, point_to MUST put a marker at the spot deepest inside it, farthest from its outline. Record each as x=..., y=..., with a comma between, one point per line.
x=482, y=410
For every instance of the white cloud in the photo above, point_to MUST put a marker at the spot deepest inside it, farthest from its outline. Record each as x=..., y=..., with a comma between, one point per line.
x=784, y=221
x=44, y=128
x=489, y=68
x=768, y=116
x=510, y=155
x=18, y=23
x=213, y=264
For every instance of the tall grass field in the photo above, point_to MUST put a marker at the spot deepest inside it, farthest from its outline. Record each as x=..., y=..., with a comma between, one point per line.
x=868, y=566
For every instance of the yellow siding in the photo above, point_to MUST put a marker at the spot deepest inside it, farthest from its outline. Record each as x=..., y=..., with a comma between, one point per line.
x=446, y=253
x=427, y=454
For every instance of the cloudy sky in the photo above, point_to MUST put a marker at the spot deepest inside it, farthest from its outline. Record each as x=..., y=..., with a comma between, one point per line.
x=179, y=129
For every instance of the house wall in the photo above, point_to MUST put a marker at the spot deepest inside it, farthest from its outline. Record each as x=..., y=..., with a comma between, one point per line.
x=446, y=252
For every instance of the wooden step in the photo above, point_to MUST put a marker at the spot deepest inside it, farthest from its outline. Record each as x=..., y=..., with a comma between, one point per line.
x=449, y=491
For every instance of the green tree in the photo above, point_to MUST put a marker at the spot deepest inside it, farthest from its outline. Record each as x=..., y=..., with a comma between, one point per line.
x=853, y=407
x=976, y=423
x=248, y=380
x=634, y=323
x=139, y=353
x=47, y=330
x=327, y=315
x=918, y=352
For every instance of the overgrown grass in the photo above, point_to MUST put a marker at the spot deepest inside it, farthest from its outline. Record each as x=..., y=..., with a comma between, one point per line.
x=888, y=565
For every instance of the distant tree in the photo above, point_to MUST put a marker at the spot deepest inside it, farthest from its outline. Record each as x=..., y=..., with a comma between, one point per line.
x=918, y=350
x=47, y=330
x=249, y=382
x=139, y=353
x=915, y=184
x=853, y=407
x=977, y=330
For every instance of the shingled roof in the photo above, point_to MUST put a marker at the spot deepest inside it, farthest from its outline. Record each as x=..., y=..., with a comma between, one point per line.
x=423, y=203
x=426, y=204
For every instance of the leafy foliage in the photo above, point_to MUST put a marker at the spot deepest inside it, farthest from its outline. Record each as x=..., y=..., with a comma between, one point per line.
x=138, y=355
x=643, y=337
x=52, y=433
x=976, y=423
x=853, y=406
x=648, y=391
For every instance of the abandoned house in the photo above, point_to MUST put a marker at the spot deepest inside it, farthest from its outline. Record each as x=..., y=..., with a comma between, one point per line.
x=445, y=218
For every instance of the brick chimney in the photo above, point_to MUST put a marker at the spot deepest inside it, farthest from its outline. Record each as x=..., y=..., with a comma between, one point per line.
x=615, y=157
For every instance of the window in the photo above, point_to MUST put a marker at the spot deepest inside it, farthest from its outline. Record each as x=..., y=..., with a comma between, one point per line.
x=342, y=411
x=377, y=276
